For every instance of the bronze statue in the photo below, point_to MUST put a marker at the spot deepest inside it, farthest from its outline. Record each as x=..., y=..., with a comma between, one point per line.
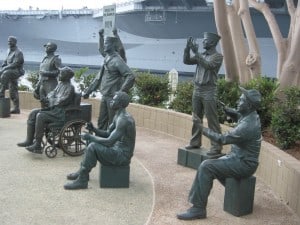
x=204, y=95
x=56, y=102
x=11, y=70
x=241, y=162
x=49, y=70
x=114, y=76
x=112, y=147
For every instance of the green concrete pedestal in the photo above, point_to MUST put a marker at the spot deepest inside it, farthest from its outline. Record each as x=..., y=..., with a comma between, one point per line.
x=192, y=158
x=114, y=176
x=4, y=107
x=239, y=196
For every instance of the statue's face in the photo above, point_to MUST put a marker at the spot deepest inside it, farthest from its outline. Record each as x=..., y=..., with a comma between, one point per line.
x=49, y=48
x=207, y=43
x=108, y=45
x=63, y=76
x=243, y=105
x=115, y=103
x=12, y=42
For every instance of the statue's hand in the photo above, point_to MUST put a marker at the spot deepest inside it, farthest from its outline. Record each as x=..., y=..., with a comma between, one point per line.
x=89, y=126
x=195, y=48
x=189, y=42
x=85, y=136
x=85, y=95
x=101, y=32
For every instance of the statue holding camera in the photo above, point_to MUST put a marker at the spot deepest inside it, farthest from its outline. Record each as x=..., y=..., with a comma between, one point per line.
x=204, y=100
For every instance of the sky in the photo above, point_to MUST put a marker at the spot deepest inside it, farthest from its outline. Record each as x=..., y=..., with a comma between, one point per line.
x=54, y=4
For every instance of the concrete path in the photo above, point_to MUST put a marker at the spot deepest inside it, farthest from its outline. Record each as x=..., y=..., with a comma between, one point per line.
x=32, y=188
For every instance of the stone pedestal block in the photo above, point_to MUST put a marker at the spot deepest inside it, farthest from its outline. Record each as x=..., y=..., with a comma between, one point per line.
x=4, y=107
x=239, y=196
x=114, y=176
x=192, y=158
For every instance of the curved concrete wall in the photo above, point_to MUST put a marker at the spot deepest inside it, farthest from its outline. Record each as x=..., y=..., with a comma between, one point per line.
x=277, y=169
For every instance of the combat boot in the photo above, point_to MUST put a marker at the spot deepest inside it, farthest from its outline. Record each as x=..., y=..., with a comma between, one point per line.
x=81, y=182
x=36, y=147
x=75, y=175
x=29, y=138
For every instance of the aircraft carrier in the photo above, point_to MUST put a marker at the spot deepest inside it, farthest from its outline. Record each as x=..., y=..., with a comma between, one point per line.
x=154, y=33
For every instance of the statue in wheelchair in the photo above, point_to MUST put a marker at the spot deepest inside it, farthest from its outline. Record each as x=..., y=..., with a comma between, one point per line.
x=59, y=124
x=66, y=135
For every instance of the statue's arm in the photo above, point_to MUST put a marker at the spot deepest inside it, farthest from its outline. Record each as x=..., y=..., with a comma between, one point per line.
x=129, y=77
x=101, y=43
x=114, y=136
x=17, y=62
x=211, y=62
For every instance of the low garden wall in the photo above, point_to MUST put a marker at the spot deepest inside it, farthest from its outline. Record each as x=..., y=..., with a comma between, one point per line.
x=277, y=169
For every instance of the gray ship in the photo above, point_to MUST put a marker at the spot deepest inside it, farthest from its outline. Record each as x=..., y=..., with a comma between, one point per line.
x=154, y=33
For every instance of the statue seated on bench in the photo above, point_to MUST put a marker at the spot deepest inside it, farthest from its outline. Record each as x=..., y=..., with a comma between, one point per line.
x=57, y=102
x=241, y=162
x=112, y=147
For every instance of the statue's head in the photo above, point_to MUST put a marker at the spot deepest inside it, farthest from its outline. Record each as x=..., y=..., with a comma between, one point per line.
x=120, y=100
x=210, y=39
x=110, y=44
x=50, y=47
x=250, y=100
x=12, y=41
x=66, y=73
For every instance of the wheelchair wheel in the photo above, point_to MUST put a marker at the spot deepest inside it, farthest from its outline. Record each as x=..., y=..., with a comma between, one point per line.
x=70, y=140
x=50, y=152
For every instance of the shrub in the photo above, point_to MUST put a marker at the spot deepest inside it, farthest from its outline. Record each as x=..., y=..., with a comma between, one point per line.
x=33, y=78
x=183, y=97
x=267, y=88
x=82, y=79
x=228, y=93
x=285, y=123
x=151, y=89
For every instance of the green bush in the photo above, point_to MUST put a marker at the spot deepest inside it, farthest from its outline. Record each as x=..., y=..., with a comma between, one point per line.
x=82, y=79
x=151, y=89
x=183, y=97
x=33, y=78
x=267, y=88
x=228, y=93
x=285, y=123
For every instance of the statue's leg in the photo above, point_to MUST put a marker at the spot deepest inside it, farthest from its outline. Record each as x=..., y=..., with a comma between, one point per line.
x=196, y=140
x=103, y=115
x=14, y=95
x=211, y=113
x=82, y=175
x=4, y=83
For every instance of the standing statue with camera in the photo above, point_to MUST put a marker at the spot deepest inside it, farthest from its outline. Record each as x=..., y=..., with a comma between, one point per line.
x=204, y=100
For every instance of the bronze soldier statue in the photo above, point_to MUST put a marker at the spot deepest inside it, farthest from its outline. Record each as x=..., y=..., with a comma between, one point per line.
x=204, y=100
x=49, y=70
x=241, y=162
x=112, y=147
x=114, y=76
x=57, y=100
x=11, y=70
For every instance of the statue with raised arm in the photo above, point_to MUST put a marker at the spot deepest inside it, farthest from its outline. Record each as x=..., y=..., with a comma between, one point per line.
x=11, y=70
x=48, y=73
x=114, y=76
x=112, y=147
x=204, y=100
x=119, y=45
x=241, y=162
x=57, y=101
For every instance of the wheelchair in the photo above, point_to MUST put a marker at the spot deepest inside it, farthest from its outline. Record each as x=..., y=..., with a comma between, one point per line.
x=66, y=135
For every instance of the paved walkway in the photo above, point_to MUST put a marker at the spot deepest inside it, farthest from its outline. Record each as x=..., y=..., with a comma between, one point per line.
x=32, y=188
